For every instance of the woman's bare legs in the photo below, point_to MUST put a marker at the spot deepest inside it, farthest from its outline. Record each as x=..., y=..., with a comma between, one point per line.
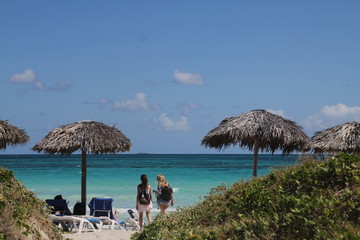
x=163, y=208
x=141, y=220
x=148, y=217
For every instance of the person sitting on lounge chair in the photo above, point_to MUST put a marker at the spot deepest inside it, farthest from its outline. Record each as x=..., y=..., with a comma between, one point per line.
x=59, y=205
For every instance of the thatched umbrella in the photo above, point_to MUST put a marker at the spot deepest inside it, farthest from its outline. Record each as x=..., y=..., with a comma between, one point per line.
x=11, y=135
x=258, y=130
x=341, y=138
x=89, y=136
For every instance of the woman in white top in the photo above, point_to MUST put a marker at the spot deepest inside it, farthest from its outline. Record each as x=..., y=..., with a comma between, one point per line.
x=144, y=200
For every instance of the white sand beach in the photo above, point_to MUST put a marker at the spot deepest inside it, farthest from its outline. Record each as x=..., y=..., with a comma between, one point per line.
x=105, y=234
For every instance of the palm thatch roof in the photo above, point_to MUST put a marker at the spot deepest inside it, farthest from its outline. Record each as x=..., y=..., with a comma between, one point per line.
x=271, y=131
x=258, y=130
x=341, y=138
x=93, y=137
x=11, y=135
x=90, y=137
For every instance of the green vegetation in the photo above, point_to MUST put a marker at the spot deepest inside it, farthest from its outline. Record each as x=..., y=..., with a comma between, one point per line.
x=22, y=215
x=313, y=200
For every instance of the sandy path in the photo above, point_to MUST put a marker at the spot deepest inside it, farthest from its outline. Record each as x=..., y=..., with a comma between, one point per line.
x=105, y=234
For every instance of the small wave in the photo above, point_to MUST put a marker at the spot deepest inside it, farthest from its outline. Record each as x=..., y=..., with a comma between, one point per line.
x=106, y=196
x=176, y=189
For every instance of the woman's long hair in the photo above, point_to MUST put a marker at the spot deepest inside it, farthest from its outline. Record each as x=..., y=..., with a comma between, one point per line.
x=144, y=181
x=161, y=180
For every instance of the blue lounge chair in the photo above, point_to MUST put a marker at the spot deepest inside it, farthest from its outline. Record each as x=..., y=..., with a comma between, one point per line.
x=58, y=205
x=102, y=209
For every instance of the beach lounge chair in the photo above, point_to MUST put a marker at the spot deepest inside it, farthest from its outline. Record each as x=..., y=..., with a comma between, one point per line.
x=68, y=223
x=133, y=221
x=58, y=206
x=101, y=208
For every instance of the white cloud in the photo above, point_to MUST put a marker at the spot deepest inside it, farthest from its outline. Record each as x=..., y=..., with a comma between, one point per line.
x=62, y=85
x=340, y=110
x=28, y=76
x=104, y=101
x=169, y=125
x=137, y=104
x=186, y=109
x=330, y=116
x=39, y=86
x=277, y=112
x=188, y=78
x=59, y=86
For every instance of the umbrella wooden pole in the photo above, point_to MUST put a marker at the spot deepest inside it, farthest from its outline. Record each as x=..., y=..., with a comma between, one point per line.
x=90, y=137
x=257, y=130
x=256, y=151
x=83, y=177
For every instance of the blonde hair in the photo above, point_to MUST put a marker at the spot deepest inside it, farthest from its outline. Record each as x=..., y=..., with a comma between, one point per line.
x=161, y=180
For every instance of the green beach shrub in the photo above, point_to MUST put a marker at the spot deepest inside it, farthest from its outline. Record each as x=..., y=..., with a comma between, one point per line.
x=22, y=215
x=312, y=200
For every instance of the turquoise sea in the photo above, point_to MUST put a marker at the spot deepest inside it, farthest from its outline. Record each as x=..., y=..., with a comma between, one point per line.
x=191, y=175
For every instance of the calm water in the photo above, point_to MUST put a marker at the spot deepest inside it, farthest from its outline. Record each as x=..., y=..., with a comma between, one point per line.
x=116, y=176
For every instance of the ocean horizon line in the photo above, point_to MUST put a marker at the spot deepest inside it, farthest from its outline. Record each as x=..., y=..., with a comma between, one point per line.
x=89, y=154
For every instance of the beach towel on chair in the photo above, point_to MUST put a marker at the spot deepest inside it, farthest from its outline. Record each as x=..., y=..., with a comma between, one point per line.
x=101, y=207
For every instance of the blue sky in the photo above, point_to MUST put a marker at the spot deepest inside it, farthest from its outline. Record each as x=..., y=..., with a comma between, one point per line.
x=167, y=72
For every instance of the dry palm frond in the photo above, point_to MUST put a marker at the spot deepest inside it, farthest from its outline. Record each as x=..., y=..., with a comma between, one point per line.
x=273, y=133
x=93, y=137
x=258, y=130
x=344, y=137
x=87, y=136
x=11, y=135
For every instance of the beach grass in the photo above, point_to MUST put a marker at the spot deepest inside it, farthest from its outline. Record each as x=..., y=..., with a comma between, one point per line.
x=317, y=199
x=22, y=214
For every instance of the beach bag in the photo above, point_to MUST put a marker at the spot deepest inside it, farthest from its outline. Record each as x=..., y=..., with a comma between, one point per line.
x=166, y=193
x=144, y=197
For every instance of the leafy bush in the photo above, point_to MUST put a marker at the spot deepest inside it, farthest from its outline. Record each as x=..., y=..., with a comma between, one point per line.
x=313, y=200
x=22, y=215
